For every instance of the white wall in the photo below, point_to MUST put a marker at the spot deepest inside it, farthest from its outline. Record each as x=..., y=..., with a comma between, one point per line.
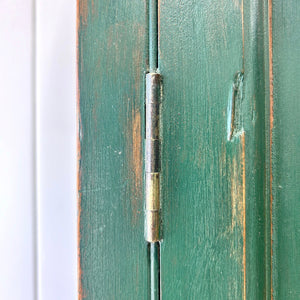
x=37, y=150
x=17, y=238
x=56, y=148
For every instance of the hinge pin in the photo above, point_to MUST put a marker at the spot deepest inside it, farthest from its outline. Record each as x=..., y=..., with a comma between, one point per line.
x=152, y=158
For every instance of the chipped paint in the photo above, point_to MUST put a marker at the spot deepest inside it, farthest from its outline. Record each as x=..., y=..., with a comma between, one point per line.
x=236, y=198
x=234, y=108
x=82, y=11
x=230, y=114
x=136, y=162
x=244, y=210
x=238, y=202
x=111, y=66
x=135, y=132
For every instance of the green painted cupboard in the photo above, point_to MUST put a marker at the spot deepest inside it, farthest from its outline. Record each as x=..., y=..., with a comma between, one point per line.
x=229, y=149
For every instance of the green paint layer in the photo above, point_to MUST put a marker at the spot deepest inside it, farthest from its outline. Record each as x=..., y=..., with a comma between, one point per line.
x=230, y=152
x=213, y=189
x=285, y=149
x=111, y=65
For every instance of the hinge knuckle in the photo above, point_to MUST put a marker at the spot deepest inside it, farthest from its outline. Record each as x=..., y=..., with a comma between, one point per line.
x=152, y=158
x=152, y=191
x=152, y=226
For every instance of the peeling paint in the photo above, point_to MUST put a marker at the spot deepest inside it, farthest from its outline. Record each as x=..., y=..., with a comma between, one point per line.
x=234, y=109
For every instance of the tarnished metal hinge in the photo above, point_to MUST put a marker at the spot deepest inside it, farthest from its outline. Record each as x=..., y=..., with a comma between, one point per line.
x=152, y=158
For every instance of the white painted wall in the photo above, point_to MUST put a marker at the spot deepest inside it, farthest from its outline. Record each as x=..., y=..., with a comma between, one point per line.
x=17, y=251
x=56, y=148
x=38, y=163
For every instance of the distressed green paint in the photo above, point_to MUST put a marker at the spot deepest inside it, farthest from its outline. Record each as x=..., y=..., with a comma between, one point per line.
x=230, y=219
x=214, y=217
x=286, y=149
x=111, y=65
x=202, y=251
x=256, y=99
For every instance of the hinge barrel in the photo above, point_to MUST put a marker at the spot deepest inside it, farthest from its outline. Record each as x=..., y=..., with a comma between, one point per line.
x=152, y=158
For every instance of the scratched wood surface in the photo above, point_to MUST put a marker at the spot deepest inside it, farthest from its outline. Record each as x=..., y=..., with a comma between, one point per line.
x=230, y=149
x=111, y=66
x=214, y=217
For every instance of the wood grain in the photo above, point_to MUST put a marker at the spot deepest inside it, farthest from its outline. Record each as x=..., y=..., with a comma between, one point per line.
x=230, y=144
x=214, y=217
x=285, y=149
x=111, y=65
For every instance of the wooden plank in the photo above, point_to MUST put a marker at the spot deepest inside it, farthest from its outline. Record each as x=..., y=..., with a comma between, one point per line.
x=111, y=68
x=213, y=163
x=285, y=147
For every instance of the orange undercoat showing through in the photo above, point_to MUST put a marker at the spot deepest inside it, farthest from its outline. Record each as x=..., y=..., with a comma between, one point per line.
x=244, y=210
x=136, y=163
x=80, y=4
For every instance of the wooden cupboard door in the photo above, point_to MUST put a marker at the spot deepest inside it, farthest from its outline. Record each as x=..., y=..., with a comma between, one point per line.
x=229, y=157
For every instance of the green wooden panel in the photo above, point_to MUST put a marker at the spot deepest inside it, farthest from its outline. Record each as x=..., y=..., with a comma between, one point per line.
x=214, y=215
x=230, y=163
x=111, y=65
x=286, y=149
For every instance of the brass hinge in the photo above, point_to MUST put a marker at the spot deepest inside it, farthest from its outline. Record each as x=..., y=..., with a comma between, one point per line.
x=152, y=158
